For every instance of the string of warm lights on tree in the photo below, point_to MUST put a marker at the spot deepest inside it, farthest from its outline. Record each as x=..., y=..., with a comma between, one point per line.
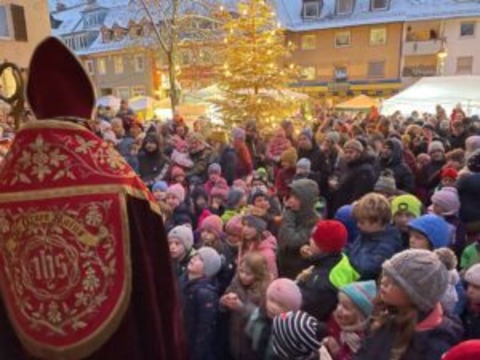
x=254, y=72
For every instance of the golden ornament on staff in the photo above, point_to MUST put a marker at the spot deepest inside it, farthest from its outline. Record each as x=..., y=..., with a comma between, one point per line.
x=12, y=88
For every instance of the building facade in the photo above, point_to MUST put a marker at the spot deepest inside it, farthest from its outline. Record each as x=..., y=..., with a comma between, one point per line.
x=23, y=24
x=117, y=44
x=377, y=47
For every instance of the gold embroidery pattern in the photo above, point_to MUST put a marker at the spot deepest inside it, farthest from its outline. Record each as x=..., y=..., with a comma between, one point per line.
x=59, y=158
x=60, y=264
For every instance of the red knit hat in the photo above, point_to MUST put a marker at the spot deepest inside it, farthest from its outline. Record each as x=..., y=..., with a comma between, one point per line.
x=450, y=173
x=212, y=223
x=467, y=350
x=330, y=236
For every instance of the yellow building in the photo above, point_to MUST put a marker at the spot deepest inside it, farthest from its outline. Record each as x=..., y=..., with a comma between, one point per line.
x=377, y=47
x=23, y=24
x=340, y=63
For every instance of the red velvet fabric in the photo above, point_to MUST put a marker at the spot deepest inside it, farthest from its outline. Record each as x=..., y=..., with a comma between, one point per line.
x=57, y=84
x=152, y=327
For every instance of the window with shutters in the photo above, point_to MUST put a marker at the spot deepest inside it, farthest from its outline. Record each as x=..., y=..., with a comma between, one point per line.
x=118, y=64
x=90, y=66
x=464, y=65
x=376, y=69
x=4, y=22
x=345, y=7
x=19, y=23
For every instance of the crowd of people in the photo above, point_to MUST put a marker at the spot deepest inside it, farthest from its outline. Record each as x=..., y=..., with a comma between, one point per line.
x=355, y=238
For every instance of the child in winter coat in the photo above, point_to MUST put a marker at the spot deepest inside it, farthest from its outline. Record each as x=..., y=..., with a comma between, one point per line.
x=256, y=238
x=349, y=323
x=446, y=203
x=471, y=316
x=234, y=231
x=330, y=269
x=211, y=235
x=200, y=303
x=245, y=293
x=405, y=208
x=277, y=145
x=180, y=243
x=377, y=240
x=180, y=155
x=409, y=322
x=285, y=175
x=236, y=200
x=180, y=214
x=429, y=232
x=215, y=178
x=297, y=335
x=283, y=295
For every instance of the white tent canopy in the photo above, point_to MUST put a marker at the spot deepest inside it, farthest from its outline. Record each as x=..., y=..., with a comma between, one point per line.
x=447, y=91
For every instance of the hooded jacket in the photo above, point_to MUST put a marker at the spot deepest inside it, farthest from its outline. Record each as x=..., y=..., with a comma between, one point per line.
x=296, y=228
x=153, y=165
x=368, y=252
x=359, y=179
x=403, y=175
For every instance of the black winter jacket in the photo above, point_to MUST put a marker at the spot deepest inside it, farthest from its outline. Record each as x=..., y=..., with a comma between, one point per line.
x=358, y=180
x=200, y=307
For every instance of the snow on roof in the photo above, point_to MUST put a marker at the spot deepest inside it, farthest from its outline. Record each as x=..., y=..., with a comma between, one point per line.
x=290, y=13
x=98, y=46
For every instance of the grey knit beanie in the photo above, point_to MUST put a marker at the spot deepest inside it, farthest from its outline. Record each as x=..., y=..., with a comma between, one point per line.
x=212, y=262
x=472, y=276
x=421, y=274
x=184, y=234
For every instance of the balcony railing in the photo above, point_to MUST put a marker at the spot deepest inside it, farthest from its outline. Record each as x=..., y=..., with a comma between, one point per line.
x=430, y=47
x=419, y=71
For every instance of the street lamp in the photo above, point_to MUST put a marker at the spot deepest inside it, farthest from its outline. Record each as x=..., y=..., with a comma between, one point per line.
x=441, y=57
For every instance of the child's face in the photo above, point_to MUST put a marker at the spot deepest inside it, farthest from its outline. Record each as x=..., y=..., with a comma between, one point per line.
x=473, y=293
x=208, y=237
x=293, y=203
x=262, y=203
x=177, y=250
x=214, y=177
x=446, y=181
x=179, y=179
x=346, y=313
x=274, y=308
x=369, y=227
x=196, y=267
x=159, y=195
x=234, y=239
x=247, y=278
x=401, y=220
x=418, y=241
x=392, y=294
x=201, y=202
x=249, y=232
x=172, y=201
x=438, y=210
x=151, y=146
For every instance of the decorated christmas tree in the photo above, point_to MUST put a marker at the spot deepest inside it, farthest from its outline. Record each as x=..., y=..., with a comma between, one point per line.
x=255, y=73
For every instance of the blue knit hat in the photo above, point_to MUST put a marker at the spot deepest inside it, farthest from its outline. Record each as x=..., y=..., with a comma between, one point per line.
x=362, y=294
x=434, y=228
x=160, y=186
